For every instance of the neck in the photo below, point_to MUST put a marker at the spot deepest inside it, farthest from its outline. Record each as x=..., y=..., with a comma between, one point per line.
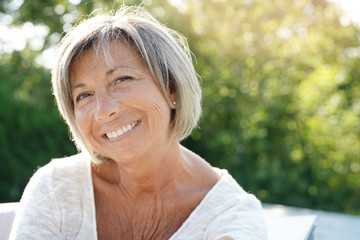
x=159, y=171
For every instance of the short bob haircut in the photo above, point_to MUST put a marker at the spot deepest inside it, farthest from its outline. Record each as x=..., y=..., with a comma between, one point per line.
x=165, y=52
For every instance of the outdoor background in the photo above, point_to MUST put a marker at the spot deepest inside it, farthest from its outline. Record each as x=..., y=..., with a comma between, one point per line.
x=281, y=93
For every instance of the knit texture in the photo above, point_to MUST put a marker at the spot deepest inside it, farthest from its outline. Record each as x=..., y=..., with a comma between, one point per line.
x=58, y=203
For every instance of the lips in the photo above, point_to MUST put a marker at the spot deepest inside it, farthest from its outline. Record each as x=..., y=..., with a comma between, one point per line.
x=121, y=131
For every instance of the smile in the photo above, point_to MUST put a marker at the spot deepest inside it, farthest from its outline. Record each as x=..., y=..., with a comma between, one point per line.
x=122, y=131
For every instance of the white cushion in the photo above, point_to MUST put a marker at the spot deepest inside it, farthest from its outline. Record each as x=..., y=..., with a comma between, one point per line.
x=7, y=214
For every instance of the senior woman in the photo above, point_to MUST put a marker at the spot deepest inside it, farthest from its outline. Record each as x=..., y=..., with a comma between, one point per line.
x=127, y=88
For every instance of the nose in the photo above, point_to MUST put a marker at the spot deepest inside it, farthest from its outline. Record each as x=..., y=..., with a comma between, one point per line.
x=106, y=107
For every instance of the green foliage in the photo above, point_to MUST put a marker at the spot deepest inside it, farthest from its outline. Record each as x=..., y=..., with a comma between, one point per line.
x=281, y=108
x=31, y=131
x=280, y=96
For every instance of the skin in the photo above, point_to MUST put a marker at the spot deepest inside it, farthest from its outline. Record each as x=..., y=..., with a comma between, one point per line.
x=150, y=184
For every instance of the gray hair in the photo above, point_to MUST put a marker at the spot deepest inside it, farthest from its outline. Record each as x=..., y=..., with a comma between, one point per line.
x=165, y=52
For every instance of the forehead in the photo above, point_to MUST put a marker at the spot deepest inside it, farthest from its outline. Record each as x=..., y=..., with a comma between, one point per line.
x=111, y=56
x=109, y=53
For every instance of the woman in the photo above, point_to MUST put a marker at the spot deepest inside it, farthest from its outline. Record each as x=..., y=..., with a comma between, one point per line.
x=126, y=86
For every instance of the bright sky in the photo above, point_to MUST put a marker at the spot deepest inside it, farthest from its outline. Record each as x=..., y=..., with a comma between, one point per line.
x=15, y=38
x=351, y=9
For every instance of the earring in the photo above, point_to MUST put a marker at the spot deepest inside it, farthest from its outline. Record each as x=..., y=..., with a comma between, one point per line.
x=174, y=102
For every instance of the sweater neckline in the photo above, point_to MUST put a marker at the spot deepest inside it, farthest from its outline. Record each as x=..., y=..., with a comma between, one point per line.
x=221, y=172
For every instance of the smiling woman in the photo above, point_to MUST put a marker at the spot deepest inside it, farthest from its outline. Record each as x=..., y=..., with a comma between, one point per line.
x=126, y=86
x=120, y=111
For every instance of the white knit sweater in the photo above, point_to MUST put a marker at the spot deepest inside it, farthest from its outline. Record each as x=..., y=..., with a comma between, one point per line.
x=58, y=203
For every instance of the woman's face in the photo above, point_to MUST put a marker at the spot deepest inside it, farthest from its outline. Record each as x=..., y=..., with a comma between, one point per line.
x=119, y=110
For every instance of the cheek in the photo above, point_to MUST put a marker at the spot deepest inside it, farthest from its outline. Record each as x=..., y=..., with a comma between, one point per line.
x=160, y=110
x=82, y=119
x=156, y=109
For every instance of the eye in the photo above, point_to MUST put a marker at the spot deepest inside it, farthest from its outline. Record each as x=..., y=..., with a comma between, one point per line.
x=124, y=78
x=82, y=96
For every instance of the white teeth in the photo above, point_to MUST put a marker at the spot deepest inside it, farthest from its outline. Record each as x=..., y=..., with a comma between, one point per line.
x=122, y=131
x=112, y=135
x=119, y=132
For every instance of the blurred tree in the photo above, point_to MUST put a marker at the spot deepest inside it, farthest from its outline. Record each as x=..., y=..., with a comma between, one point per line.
x=280, y=84
x=31, y=131
x=281, y=106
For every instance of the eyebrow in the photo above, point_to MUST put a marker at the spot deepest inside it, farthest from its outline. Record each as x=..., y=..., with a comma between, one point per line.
x=111, y=71
x=78, y=86
x=115, y=68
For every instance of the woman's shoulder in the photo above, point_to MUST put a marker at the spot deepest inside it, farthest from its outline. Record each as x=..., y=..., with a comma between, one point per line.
x=67, y=169
x=75, y=162
x=227, y=211
x=227, y=187
x=56, y=200
x=239, y=214
x=72, y=167
x=228, y=194
x=58, y=174
x=45, y=175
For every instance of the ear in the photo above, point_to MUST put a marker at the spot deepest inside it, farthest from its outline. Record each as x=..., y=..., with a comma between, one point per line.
x=173, y=99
